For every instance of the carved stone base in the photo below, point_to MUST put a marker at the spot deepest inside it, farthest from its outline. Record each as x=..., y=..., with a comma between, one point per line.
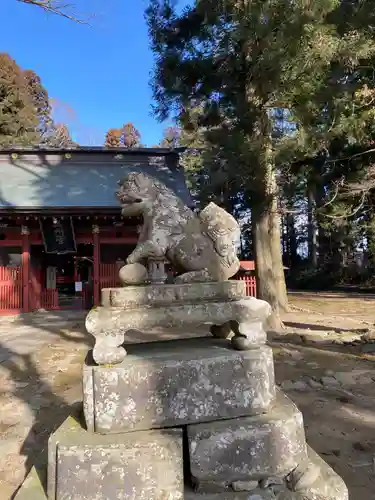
x=174, y=383
x=168, y=306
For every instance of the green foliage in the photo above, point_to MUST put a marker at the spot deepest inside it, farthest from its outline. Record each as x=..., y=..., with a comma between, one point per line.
x=18, y=115
x=25, y=111
x=40, y=100
x=276, y=89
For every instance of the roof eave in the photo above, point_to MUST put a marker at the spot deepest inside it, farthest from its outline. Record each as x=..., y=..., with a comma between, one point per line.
x=94, y=149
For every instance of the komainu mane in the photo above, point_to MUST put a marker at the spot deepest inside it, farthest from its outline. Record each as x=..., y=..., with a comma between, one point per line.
x=202, y=247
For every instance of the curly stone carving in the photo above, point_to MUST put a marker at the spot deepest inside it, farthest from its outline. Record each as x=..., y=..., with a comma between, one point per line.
x=201, y=246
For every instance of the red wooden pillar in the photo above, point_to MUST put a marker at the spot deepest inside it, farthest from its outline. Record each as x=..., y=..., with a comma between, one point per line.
x=96, y=242
x=25, y=268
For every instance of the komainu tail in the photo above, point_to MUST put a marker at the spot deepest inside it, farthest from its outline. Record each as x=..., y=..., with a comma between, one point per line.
x=224, y=231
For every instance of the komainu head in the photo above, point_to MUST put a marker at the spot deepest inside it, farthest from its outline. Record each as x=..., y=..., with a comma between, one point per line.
x=135, y=190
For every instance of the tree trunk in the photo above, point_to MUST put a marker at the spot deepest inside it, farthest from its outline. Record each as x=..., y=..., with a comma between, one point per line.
x=292, y=241
x=266, y=233
x=324, y=244
x=275, y=243
x=311, y=229
x=267, y=286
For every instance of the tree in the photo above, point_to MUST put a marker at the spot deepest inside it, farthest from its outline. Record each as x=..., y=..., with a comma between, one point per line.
x=171, y=138
x=243, y=61
x=130, y=136
x=113, y=138
x=40, y=99
x=18, y=115
x=61, y=138
x=127, y=137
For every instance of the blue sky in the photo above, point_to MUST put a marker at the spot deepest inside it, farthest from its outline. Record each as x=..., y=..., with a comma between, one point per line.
x=98, y=75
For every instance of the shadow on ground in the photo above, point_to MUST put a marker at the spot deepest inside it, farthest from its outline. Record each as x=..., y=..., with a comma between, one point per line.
x=33, y=363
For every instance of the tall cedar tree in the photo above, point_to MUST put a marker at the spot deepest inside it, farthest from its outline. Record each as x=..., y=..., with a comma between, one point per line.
x=40, y=99
x=242, y=60
x=19, y=118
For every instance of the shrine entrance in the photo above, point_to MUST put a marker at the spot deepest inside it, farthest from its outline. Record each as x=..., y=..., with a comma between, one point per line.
x=65, y=280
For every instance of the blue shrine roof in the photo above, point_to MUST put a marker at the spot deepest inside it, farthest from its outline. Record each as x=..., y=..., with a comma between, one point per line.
x=80, y=178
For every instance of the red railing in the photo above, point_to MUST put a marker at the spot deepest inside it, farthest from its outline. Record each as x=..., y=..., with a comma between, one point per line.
x=108, y=275
x=250, y=285
x=10, y=289
x=10, y=298
x=49, y=299
x=10, y=274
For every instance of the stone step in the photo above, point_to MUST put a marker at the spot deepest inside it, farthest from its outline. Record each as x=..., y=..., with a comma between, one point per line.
x=178, y=382
x=247, y=448
x=327, y=485
x=84, y=466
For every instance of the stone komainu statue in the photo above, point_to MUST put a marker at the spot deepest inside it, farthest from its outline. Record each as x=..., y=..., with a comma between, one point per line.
x=202, y=247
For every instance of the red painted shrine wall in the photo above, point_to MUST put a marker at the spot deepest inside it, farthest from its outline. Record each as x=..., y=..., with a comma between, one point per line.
x=23, y=284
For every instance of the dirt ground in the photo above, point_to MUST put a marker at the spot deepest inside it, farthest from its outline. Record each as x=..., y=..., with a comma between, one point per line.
x=324, y=360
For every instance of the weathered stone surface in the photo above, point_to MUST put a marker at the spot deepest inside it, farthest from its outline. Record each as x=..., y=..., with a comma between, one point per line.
x=133, y=466
x=109, y=324
x=244, y=485
x=173, y=383
x=247, y=448
x=150, y=295
x=132, y=274
x=202, y=245
x=257, y=494
x=327, y=486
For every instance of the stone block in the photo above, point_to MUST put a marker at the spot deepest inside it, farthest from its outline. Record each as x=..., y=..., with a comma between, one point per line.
x=173, y=383
x=136, y=296
x=327, y=486
x=248, y=448
x=133, y=466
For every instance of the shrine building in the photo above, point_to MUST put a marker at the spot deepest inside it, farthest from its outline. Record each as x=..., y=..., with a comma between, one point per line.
x=62, y=235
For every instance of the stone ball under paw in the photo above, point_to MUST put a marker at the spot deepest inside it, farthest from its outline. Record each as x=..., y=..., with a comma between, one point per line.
x=133, y=274
x=241, y=343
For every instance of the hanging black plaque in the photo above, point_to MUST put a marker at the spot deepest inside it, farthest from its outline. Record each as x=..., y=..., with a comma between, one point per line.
x=58, y=235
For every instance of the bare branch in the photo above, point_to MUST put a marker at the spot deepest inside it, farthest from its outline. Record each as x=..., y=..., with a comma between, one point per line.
x=338, y=185
x=54, y=7
x=355, y=211
x=368, y=151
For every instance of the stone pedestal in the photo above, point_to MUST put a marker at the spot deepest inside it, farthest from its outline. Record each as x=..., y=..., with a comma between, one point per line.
x=197, y=403
x=174, y=383
x=178, y=306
